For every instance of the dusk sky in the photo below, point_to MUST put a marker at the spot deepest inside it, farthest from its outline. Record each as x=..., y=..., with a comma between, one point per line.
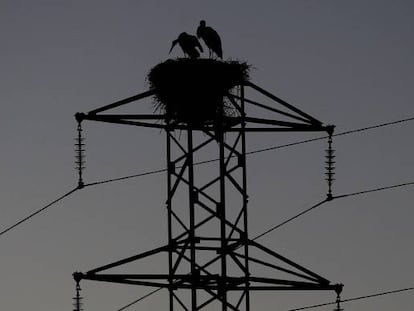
x=347, y=63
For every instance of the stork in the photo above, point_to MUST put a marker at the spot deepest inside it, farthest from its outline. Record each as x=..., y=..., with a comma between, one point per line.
x=210, y=38
x=188, y=44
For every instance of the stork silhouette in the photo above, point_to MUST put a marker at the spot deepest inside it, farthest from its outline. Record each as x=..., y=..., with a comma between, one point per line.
x=210, y=38
x=188, y=44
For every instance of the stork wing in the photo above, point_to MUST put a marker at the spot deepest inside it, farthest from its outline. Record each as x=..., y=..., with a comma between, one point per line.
x=197, y=44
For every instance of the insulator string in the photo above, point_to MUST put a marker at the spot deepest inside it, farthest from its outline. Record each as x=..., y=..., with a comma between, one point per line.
x=80, y=155
x=338, y=303
x=78, y=299
x=330, y=165
x=338, y=291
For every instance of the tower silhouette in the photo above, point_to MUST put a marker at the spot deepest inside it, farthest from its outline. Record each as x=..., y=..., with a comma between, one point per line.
x=212, y=261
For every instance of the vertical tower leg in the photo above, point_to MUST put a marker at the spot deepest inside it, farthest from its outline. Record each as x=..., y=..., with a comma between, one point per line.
x=242, y=163
x=222, y=215
x=169, y=223
x=192, y=237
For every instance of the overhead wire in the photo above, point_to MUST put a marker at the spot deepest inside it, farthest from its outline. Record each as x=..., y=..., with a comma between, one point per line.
x=391, y=292
x=213, y=160
x=125, y=177
x=259, y=150
x=38, y=211
x=373, y=190
x=285, y=146
x=291, y=218
x=313, y=207
x=309, y=209
x=317, y=205
x=139, y=299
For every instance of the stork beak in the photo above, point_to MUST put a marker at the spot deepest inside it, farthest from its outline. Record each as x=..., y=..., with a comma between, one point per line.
x=172, y=46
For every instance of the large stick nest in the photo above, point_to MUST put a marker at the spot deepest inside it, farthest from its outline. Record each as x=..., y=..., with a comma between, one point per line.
x=191, y=91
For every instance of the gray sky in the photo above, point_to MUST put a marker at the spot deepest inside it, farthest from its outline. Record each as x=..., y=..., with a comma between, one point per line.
x=348, y=63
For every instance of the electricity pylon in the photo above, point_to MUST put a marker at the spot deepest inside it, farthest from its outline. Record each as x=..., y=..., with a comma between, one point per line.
x=212, y=262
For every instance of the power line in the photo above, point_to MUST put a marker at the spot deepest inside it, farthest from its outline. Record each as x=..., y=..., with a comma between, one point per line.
x=255, y=238
x=139, y=299
x=290, y=219
x=213, y=160
x=249, y=153
x=297, y=216
x=373, y=190
x=126, y=177
x=337, y=134
x=376, y=126
x=328, y=200
x=38, y=211
x=391, y=292
x=396, y=291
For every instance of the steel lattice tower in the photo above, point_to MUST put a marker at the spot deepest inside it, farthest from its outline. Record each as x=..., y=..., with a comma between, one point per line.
x=212, y=262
